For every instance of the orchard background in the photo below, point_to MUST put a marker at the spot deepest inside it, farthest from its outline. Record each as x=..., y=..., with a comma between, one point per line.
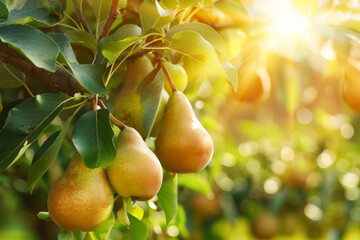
x=274, y=83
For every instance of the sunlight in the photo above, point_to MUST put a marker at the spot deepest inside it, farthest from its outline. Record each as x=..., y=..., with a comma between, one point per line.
x=287, y=19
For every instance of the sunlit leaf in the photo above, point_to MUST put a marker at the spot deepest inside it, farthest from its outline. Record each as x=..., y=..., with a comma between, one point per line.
x=138, y=229
x=168, y=196
x=44, y=216
x=90, y=76
x=153, y=15
x=103, y=233
x=83, y=38
x=195, y=182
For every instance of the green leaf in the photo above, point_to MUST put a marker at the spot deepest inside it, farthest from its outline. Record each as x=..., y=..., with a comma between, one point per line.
x=83, y=38
x=138, y=229
x=75, y=235
x=8, y=75
x=32, y=13
x=100, y=8
x=104, y=231
x=44, y=216
x=26, y=122
x=48, y=152
x=195, y=182
x=150, y=90
x=134, y=209
x=193, y=45
x=90, y=76
x=207, y=32
x=125, y=31
x=153, y=15
x=64, y=45
x=39, y=48
x=112, y=50
x=232, y=74
x=168, y=196
x=92, y=137
x=5, y=112
x=4, y=12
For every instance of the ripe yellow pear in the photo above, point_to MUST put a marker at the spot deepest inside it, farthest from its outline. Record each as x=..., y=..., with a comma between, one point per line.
x=82, y=199
x=178, y=75
x=127, y=106
x=183, y=145
x=136, y=172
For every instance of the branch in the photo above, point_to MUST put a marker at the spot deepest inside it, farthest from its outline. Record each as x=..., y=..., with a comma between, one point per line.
x=81, y=16
x=113, y=15
x=58, y=81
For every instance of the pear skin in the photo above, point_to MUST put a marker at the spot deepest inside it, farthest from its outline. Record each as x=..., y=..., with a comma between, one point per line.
x=127, y=106
x=82, y=199
x=183, y=145
x=136, y=171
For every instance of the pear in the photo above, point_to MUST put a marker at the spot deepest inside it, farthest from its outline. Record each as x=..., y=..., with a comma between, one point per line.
x=351, y=87
x=183, y=145
x=82, y=199
x=127, y=106
x=178, y=75
x=136, y=172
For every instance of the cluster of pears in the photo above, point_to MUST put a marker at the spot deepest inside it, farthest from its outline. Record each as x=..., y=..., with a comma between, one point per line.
x=83, y=198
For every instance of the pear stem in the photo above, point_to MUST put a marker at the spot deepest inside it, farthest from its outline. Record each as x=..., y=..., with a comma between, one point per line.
x=113, y=119
x=166, y=71
x=81, y=17
x=93, y=103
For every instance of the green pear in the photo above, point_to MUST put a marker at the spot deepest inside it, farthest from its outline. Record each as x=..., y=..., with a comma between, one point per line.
x=127, y=106
x=178, y=75
x=136, y=171
x=183, y=145
x=82, y=199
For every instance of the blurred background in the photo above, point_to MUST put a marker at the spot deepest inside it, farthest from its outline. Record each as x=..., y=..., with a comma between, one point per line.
x=287, y=158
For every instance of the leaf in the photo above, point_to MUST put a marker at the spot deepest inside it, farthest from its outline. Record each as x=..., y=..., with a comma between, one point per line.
x=83, y=38
x=32, y=13
x=101, y=8
x=168, y=196
x=44, y=216
x=4, y=12
x=112, y=50
x=232, y=74
x=27, y=121
x=8, y=74
x=138, y=229
x=48, y=152
x=75, y=235
x=193, y=45
x=153, y=15
x=125, y=31
x=150, y=90
x=90, y=76
x=64, y=45
x=104, y=231
x=195, y=182
x=5, y=112
x=39, y=48
x=134, y=209
x=207, y=32
x=92, y=137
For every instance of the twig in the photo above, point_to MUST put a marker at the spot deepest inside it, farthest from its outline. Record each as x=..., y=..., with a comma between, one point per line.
x=163, y=67
x=81, y=17
x=113, y=119
x=113, y=15
x=58, y=81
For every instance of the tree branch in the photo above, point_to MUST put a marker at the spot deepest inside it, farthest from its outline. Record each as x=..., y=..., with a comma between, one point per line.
x=113, y=15
x=81, y=16
x=58, y=81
